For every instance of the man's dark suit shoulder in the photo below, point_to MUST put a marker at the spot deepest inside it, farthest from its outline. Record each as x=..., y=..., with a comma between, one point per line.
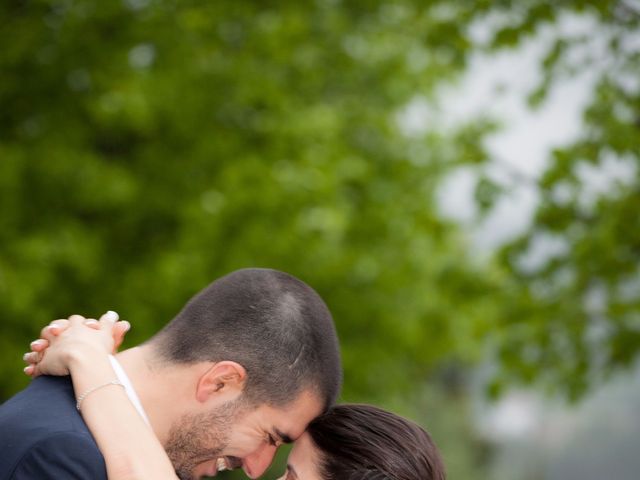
x=42, y=436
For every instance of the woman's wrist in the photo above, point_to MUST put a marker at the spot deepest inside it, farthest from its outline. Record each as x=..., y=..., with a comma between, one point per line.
x=90, y=371
x=83, y=357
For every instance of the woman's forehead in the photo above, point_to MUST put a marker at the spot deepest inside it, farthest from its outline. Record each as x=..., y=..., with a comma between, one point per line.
x=304, y=459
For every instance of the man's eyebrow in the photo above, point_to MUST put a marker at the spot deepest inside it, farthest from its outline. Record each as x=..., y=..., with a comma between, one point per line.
x=284, y=438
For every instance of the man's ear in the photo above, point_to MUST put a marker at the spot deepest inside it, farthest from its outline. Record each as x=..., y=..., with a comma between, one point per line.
x=224, y=378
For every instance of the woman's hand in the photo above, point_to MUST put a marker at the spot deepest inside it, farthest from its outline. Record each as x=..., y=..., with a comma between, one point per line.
x=66, y=340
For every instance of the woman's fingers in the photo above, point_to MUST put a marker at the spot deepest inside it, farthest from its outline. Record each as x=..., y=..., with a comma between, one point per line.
x=39, y=345
x=55, y=328
x=77, y=319
x=112, y=330
x=58, y=326
x=93, y=323
x=120, y=329
x=109, y=318
x=32, y=357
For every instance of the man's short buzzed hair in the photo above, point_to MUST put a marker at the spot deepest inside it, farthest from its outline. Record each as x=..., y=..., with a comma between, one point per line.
x=274, y=325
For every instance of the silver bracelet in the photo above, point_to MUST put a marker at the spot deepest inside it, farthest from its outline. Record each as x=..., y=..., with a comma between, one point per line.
x=91, y=390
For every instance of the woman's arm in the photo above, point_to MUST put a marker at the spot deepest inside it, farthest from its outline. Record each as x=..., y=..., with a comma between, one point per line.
x=129, y=446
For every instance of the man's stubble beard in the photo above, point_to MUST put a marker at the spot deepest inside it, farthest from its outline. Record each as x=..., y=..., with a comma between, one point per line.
x=197, y=438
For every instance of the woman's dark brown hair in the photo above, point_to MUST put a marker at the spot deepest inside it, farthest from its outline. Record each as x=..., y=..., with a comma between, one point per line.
x=363, y=442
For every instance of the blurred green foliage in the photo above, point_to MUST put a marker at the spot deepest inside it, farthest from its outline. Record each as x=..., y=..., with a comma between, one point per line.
x=571, y=319
x=150, y=146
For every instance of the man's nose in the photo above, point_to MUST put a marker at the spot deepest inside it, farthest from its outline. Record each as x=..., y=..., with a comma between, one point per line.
x=256, y=464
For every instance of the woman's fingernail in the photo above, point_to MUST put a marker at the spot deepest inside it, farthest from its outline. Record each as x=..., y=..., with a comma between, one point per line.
x=27, y=370
x=126, y=325
x=36, y=342
x=111, y=316
x=54, y=325
x=25, y=356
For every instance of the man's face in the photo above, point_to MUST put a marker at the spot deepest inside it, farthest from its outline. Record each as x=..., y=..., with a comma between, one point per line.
x=237, y=436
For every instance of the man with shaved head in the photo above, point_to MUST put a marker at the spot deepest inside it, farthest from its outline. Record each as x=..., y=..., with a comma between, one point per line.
x=242, y=369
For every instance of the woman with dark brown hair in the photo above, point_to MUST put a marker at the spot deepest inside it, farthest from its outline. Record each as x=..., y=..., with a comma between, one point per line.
x=363, y=442
x=348, y=442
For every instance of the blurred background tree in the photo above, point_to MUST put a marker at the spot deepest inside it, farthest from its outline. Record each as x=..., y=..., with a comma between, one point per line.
x=150, y=146
x=572, y=317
